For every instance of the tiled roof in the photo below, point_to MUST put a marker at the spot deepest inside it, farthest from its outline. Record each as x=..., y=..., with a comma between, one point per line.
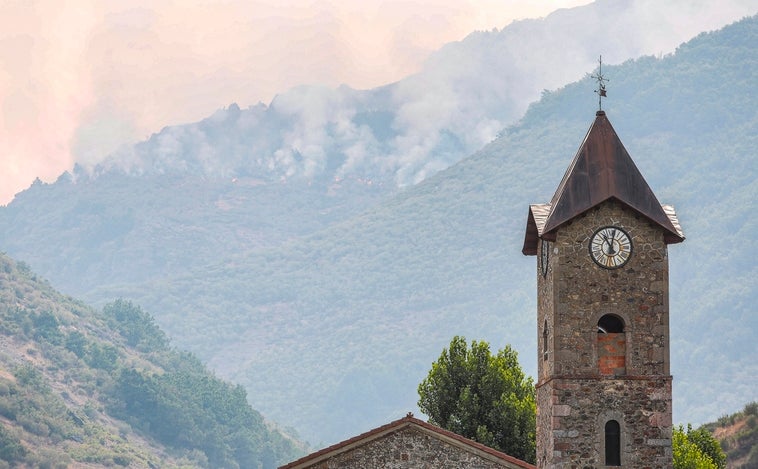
x=405, y=422
x=601, y=170
x=535, y=227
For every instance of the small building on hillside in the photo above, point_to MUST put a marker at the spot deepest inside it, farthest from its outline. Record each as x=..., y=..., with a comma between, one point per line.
x=408, y=443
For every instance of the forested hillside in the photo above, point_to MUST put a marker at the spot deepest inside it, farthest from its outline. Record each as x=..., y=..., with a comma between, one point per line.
x=331, y=328
x=358, y=311
x=104, y=389
x=738, y=435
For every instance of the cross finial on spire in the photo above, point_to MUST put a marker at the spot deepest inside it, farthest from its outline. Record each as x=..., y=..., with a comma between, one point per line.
x=600, y=84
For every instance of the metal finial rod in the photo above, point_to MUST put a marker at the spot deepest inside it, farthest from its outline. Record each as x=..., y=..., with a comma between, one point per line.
x=600, y=84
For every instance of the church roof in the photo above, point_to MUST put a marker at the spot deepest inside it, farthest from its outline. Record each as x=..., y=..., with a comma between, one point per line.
x=601, y=170
x=313, y=459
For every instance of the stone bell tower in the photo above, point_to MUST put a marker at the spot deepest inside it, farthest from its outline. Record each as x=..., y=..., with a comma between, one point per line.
x=604, y=384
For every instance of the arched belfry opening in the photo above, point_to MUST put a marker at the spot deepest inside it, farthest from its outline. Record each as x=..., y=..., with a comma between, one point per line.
x=611, y=345
x=610, y=324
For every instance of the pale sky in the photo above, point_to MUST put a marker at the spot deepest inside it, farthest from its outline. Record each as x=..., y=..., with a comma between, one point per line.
x=79, y=78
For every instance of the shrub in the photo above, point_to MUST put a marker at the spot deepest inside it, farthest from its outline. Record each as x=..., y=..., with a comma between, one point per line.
x=11, y=449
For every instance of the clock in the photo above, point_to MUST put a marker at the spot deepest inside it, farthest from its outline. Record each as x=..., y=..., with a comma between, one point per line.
x=544, y=256
x=610, y=247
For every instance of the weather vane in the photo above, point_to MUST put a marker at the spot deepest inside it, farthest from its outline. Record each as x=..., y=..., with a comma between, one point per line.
x=600, y=84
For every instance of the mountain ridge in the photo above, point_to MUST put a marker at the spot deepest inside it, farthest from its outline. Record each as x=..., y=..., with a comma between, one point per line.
x=407, y=130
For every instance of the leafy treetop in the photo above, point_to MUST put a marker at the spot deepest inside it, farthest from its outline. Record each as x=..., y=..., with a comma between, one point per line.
x=481, y=396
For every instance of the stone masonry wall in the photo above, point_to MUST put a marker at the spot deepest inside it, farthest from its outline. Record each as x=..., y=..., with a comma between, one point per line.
x=582, y=406
x=575, y=396
x=405, y=449
x=637, y=292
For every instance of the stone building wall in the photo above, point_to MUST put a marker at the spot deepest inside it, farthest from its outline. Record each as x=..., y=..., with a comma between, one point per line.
x=575, y=395
x=405, y=449
x=641, y=406
x=637, y=292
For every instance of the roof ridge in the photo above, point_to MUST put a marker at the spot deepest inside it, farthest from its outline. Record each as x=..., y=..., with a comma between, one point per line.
x=407, y=421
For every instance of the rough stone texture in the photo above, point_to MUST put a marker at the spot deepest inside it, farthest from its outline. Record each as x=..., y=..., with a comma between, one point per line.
x=407, y=448
x=587, y=378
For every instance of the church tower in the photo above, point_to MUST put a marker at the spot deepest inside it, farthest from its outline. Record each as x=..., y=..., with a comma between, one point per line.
x=604, y=384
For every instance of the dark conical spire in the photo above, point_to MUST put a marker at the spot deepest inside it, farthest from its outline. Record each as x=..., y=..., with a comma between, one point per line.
x=601, y=170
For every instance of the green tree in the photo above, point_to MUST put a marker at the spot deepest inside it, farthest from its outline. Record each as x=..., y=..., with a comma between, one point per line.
x=46, y=327
x=103, y=356
x=136, y=326
x=696, y=449
x=708, y=445
x=11, y=449
x=483, y=397
x=76, y=342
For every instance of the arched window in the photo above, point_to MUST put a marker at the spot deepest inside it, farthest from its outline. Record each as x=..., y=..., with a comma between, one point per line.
x=611, y=346
x=612, y=443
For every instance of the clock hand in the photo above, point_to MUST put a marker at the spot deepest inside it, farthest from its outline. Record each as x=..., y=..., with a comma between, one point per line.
x=610, y=251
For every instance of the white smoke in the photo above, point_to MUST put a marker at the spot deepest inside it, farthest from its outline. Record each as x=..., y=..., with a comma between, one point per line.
x=463, y=96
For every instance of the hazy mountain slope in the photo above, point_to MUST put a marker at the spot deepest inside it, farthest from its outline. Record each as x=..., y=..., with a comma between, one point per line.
x=126, y=228
x=738, y=435
x=255, y=177
x=102, y=389
x=332, y=333
x=464, y=94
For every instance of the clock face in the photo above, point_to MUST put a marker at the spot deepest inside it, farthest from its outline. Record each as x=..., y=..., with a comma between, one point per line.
x=544, y=256
x=610, y=247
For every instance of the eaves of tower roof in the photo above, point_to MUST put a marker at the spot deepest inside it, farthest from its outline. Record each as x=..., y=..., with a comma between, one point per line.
x=601, y=170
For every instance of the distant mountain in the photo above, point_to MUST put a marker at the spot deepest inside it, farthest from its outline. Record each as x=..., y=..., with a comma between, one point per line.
x=94, y=389
x=334, y=331
x=328, y=292
x=256, y=177
x=404, y=132
x=119, y=228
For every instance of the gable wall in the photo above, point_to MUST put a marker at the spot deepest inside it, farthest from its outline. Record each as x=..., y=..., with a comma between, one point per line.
x=404, y=449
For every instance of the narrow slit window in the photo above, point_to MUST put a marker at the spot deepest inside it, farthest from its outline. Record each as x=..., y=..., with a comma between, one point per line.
x=612, y=443
x=544, y=341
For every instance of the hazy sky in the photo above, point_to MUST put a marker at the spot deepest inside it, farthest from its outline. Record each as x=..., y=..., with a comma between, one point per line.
x=78, y=78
